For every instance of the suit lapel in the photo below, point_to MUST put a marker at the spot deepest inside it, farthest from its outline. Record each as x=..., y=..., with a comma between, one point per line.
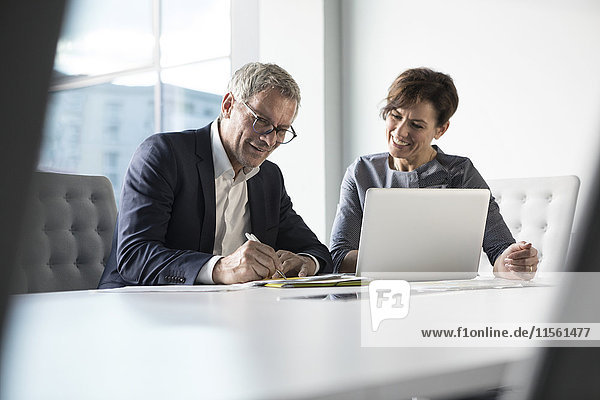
x=256, y=200
x=206, y=177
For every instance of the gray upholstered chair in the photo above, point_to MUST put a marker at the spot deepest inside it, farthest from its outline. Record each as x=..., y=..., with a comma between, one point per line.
x=538, y=210
x=66, y=234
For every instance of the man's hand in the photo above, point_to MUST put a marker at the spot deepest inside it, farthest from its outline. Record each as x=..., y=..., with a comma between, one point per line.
x=518, y=261
x=250, y=262
x=293, y=264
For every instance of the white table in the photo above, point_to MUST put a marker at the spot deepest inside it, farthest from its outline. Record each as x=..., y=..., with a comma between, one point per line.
x=261, y=343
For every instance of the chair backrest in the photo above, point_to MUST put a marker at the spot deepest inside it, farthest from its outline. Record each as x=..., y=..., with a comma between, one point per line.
x=540, y=211
x=66, y=235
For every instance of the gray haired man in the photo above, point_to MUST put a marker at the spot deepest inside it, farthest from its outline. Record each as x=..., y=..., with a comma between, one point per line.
x=190, y=199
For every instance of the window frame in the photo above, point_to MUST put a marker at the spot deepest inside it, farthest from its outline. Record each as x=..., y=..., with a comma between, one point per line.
x=238, y=43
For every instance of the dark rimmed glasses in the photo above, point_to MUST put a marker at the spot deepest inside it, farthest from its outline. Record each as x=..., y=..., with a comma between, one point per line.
x=264, y=127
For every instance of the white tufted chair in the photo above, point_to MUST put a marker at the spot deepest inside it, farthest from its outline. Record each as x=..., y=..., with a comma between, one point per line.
x=66, y=234
x=540, y=211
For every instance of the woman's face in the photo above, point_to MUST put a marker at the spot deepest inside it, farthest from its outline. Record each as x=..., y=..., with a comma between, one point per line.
x=409, y=133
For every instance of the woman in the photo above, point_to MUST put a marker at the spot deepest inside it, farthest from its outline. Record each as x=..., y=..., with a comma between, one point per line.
x=418, y=108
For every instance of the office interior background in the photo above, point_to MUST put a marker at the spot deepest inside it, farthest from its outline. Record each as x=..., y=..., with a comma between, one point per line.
x=526, y=73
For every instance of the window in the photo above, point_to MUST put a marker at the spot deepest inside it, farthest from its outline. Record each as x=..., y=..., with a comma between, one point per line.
x=111, y=160
x=111, y=90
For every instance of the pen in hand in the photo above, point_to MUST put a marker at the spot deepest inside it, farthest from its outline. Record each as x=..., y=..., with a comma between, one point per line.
x=251, y=236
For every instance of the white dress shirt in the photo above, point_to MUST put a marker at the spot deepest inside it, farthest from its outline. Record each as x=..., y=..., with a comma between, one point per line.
x=233, y=211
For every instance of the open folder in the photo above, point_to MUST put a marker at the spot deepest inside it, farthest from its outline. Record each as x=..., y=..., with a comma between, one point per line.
x=328, y=280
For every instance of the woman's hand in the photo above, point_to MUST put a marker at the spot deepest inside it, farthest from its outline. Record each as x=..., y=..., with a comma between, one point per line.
x=518, y=261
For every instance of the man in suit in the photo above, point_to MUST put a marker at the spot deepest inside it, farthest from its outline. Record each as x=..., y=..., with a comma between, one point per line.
x=189, y=198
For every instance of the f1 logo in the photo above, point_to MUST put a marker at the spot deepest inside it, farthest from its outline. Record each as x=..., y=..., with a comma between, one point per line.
x=389, y=299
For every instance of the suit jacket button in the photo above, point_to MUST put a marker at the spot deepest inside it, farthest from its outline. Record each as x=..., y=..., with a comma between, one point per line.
x=182, y=280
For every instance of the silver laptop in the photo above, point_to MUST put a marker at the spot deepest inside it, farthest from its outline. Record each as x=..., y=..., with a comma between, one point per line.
x=422, y=234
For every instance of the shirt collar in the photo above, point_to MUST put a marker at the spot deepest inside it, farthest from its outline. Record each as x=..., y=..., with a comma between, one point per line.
x=221, y=162
x=421, y=168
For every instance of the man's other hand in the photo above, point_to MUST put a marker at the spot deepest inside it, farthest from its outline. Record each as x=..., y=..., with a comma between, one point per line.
x=293, y=264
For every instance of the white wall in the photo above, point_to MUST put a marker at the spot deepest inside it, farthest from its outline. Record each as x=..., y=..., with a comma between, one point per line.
x=527, y=73
x=291, y=34
x=244, y=32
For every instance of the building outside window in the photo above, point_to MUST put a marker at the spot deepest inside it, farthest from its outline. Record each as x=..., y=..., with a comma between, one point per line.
x=126, y=70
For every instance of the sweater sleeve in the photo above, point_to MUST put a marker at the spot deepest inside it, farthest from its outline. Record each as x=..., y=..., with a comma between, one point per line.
x=345, y=233
x=497, y=236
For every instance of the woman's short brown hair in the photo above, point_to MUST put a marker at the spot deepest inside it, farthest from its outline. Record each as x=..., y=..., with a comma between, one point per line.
x=417, y=85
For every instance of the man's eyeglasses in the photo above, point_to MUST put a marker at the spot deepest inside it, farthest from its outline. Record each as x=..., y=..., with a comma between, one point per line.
x=264, y=127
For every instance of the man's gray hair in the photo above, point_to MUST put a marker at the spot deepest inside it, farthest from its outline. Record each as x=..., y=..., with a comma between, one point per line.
x=256, y=77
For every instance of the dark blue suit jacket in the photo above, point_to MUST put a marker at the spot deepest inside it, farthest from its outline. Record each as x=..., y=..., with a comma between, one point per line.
x=166, y=225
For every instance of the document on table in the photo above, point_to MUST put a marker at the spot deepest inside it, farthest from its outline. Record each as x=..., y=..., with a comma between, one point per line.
x=181, y=288
x=469, y=284
x=309, y=281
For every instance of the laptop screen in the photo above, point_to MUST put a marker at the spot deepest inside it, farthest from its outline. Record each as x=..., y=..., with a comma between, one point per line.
x=422, y=234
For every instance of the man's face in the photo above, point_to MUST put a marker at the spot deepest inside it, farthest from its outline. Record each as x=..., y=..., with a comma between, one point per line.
x=244, y=147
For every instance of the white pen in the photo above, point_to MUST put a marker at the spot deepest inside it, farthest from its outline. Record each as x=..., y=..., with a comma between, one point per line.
x=250, y=236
